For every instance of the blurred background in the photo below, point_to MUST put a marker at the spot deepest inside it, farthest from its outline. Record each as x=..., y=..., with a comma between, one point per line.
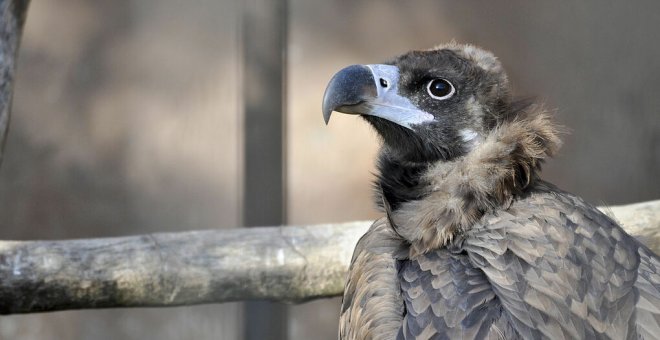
x=128, y=118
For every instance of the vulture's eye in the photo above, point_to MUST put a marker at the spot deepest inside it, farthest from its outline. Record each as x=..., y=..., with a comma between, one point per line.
x=440, y=89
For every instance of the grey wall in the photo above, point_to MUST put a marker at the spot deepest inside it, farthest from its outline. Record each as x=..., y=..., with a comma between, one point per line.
x=125, y=121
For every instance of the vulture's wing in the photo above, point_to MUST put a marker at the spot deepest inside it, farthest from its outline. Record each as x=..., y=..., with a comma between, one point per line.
x=648, y=285
x=372, y=307
x=550, y=266
x=446, y=297
x=563, y=270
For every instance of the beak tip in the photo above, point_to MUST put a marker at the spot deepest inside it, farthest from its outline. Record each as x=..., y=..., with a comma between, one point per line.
x=326, y=115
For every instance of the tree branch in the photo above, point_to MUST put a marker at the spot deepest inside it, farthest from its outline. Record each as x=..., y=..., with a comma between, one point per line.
x=167, y=269
x=288, y=264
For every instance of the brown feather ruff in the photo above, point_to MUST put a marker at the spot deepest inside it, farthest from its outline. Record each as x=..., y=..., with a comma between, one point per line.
x=505, y=163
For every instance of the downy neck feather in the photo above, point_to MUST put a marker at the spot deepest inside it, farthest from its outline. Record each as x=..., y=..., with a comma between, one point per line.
x=448, y=197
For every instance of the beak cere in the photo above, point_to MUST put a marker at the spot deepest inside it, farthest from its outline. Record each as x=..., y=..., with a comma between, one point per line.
x=371, y=90
x=347, y=89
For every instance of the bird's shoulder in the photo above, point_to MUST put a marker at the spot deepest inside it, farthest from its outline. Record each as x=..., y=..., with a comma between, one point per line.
x=560, y=267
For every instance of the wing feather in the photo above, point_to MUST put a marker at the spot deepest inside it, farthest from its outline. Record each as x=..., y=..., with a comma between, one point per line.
x=372, y=307
x=446, y=297
x=563, y=270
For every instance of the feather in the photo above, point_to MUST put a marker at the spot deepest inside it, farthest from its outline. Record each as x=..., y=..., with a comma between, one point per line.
x=504, y=165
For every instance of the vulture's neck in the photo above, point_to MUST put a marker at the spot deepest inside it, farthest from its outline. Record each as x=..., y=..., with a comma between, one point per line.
x=399, y=182
x=429, y=205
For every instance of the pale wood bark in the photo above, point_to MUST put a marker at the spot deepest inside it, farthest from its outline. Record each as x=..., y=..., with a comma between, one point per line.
x=288, y=264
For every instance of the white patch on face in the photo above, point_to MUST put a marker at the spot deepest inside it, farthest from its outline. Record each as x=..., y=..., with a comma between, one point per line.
x=470, y=137
x=476, y=111
x=474, y=108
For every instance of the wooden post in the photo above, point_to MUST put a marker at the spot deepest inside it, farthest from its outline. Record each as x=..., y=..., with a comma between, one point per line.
x=264, y=33
x=12, y=18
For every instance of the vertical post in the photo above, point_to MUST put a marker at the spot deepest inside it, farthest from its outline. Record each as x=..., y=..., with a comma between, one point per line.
x=12, y=18
x=264, y=33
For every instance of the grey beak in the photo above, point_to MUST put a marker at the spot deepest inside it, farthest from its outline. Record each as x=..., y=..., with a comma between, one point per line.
x=349, y=88
x=354, y=90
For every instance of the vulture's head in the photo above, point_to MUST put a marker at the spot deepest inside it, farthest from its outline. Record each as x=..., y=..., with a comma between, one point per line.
x=454, y=143
x=426, y=105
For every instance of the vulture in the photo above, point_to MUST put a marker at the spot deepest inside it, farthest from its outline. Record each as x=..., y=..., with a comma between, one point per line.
x=473, y=244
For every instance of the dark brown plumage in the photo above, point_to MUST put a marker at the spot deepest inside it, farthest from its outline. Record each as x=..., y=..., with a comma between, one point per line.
x=474, y=244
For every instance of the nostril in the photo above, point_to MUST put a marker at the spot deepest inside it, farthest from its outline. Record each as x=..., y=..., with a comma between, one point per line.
x=383, y=82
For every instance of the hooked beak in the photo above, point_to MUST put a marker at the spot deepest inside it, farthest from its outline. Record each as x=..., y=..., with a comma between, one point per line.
x=371, y=90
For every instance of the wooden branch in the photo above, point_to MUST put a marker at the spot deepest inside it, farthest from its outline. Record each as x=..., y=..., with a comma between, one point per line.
x=288, y=264
x=167, y=269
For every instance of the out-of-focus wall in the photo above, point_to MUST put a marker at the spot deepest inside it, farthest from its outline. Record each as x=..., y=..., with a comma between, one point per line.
x=126, y=121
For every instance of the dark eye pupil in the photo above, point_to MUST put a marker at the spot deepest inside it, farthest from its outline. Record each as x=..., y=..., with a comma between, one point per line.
x=383, y=82
x=440, y=88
